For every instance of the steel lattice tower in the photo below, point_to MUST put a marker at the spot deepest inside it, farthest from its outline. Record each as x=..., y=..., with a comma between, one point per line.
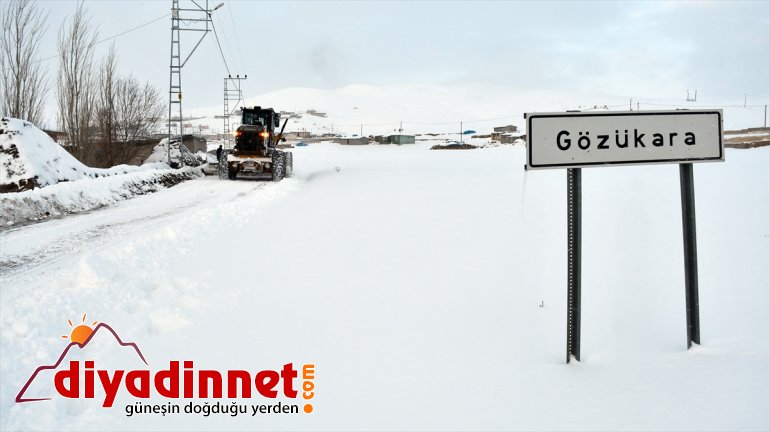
x=175, y=78
x=193, y=21
x=231, y=95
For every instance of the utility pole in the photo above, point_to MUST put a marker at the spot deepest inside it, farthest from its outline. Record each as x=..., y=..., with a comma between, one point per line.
x=765, y=115
x=234, y=94
x=194, y=19
x=745, y=96
x=629, y=105
x=461, y=132
x=362, y=131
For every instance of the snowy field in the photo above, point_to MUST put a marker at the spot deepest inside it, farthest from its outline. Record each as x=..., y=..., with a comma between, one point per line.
x=412, y=279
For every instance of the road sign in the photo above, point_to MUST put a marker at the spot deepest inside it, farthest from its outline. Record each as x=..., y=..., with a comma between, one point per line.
x=574, y=140
x=585, y=139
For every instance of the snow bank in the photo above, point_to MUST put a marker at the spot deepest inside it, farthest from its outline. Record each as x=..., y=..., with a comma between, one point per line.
x=87, y=194
x=30, y=159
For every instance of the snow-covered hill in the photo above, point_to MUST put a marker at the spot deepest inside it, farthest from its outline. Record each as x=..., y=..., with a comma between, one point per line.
x=372, y=109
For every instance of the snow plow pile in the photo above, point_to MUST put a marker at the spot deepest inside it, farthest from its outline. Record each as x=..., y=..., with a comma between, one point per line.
x=255, y=154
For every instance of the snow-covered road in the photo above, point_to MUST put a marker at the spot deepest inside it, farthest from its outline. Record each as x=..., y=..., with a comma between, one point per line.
x=412, y=279
x=26, y=247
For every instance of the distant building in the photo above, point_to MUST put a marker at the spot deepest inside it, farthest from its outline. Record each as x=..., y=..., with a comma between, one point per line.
x=509, y=128
x=58, y=137
x=395, y=139
x=353, y=141
x=297, y=135
x=509, y=138
x=500, y=131
x=402, y=139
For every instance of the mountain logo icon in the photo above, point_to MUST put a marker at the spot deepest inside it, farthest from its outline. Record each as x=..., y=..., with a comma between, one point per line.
x=79, y=337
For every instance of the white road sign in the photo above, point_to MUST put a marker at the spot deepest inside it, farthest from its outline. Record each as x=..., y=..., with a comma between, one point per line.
x=584, y=139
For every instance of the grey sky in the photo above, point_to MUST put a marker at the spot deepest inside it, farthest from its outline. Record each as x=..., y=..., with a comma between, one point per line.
x=634, y=49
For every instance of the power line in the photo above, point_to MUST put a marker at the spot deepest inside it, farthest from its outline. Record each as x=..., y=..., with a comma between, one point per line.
x=368, y=124
x=227, y=43
x=465, y=121
x=237, y=39
x=135, y=28
x=470, y=122
x=114, y=36
x=685, y=105
x=220, y=47
x=428, y=123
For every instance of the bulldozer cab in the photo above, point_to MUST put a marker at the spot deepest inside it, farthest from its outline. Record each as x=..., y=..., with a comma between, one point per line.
x=257, y=131
x=256, y=116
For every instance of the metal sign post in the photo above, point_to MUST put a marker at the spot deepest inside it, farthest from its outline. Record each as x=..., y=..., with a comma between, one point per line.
x=690, y=254
x=573, y=263
x=575, y=140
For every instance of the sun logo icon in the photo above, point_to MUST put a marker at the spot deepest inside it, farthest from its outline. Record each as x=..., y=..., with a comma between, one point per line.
x=81, y=332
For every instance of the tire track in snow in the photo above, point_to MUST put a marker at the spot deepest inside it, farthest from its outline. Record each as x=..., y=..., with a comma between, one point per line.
x=102, y=233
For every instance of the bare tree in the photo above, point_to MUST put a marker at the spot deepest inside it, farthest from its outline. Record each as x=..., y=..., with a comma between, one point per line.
x=76, y=84
x=138, y=109
x=105, y=112
x=23, y=88
x=126, y=114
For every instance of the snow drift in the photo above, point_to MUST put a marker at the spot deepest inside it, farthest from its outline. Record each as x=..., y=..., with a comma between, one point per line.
x=30, y=159
x=40, y=179
x=87, y=194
